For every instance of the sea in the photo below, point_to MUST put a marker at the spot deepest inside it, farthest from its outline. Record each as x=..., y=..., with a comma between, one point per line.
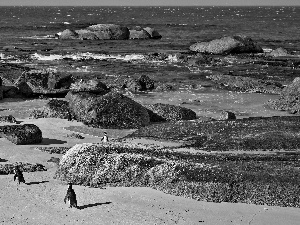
x=27, y=39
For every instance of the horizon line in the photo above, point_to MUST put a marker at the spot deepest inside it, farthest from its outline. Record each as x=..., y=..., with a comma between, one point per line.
x=158, y=5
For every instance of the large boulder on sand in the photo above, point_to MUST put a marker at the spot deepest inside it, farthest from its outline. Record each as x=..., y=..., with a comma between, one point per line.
x=22, y=134
x=112, y=110
x=91, y=86
x=172, y=112
x=289, y=98
x=55, y=108
x=228, y=45
x=279, y=52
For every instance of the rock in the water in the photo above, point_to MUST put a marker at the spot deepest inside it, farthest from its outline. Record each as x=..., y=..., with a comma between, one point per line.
x=143, y=83
x=112, y=110
x=289, y=98
x=22, y=134
x=246, y=84
x=172, y=112
x=153, y=33
x=91, y=86
x=138, y=33
x=68, y=34
x=54, y=109
x=279, y=52
x=9, y=119
x=226, y=115
x=228, y=45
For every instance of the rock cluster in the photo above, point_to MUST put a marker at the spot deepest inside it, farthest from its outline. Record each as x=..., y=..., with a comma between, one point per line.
x=25, y=167
x=109, y=32
x=143, y=83
x=228, y=45
x=22, y=134
x=9, y=119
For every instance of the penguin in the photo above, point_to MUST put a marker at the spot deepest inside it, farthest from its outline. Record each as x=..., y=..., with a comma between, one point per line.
x=19, y=175
x=71, y=196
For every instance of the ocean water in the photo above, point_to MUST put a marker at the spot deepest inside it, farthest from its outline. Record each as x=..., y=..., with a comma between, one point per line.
x=26, y=39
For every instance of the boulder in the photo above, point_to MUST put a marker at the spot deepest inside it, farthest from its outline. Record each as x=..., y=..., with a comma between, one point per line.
x=138, y=33
x=153, y=33
x=172, y=112
x=91, y=86
x=22, y=134
x=246, y=84
x=68, y=34
x=226, y=115
x=143, y=83
x=228, y=45
x=104, y=32
x=289, y=98
x=112, y=110
x=165, y=87
x=54, y=108
x=43, y=82
x=279, y=52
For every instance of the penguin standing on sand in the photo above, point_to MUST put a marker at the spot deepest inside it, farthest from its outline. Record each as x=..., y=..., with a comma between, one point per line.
x=19, y=175
x=104, y=138
x=71, y=196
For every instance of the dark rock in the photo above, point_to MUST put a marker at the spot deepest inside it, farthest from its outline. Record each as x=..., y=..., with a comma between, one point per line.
x=226, y=115
x=228, y=45
x=91, y=86
x=246, y=84
x=289, y=98
x=112, y=110
x=1, y=89
x=9, y=119
x=54, y=109
x=22, y=134
x=172, y=112
x=68, y=34
x=153, y=33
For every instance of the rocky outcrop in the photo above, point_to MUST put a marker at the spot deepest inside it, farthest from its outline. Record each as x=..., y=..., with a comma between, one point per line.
x=91, y=86
x=109, y=32
x=246, y=84
x=143, y=83
x=112, y=110
x=22, y=134
x=226, y=115
x=53, y=109
x=43, y=82
x=228, y=45
x=289, y=98
x=172, y=112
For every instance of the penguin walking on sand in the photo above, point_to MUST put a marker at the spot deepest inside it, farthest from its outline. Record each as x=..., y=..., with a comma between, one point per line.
x=71, y=196
x=18, y=174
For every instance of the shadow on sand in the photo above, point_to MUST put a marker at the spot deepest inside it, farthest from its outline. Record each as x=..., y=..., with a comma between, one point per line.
x=37, y=182
x=93, y=205
x=49, y=141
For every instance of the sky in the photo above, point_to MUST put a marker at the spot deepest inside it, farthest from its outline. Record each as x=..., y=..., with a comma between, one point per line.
x=149, y=2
